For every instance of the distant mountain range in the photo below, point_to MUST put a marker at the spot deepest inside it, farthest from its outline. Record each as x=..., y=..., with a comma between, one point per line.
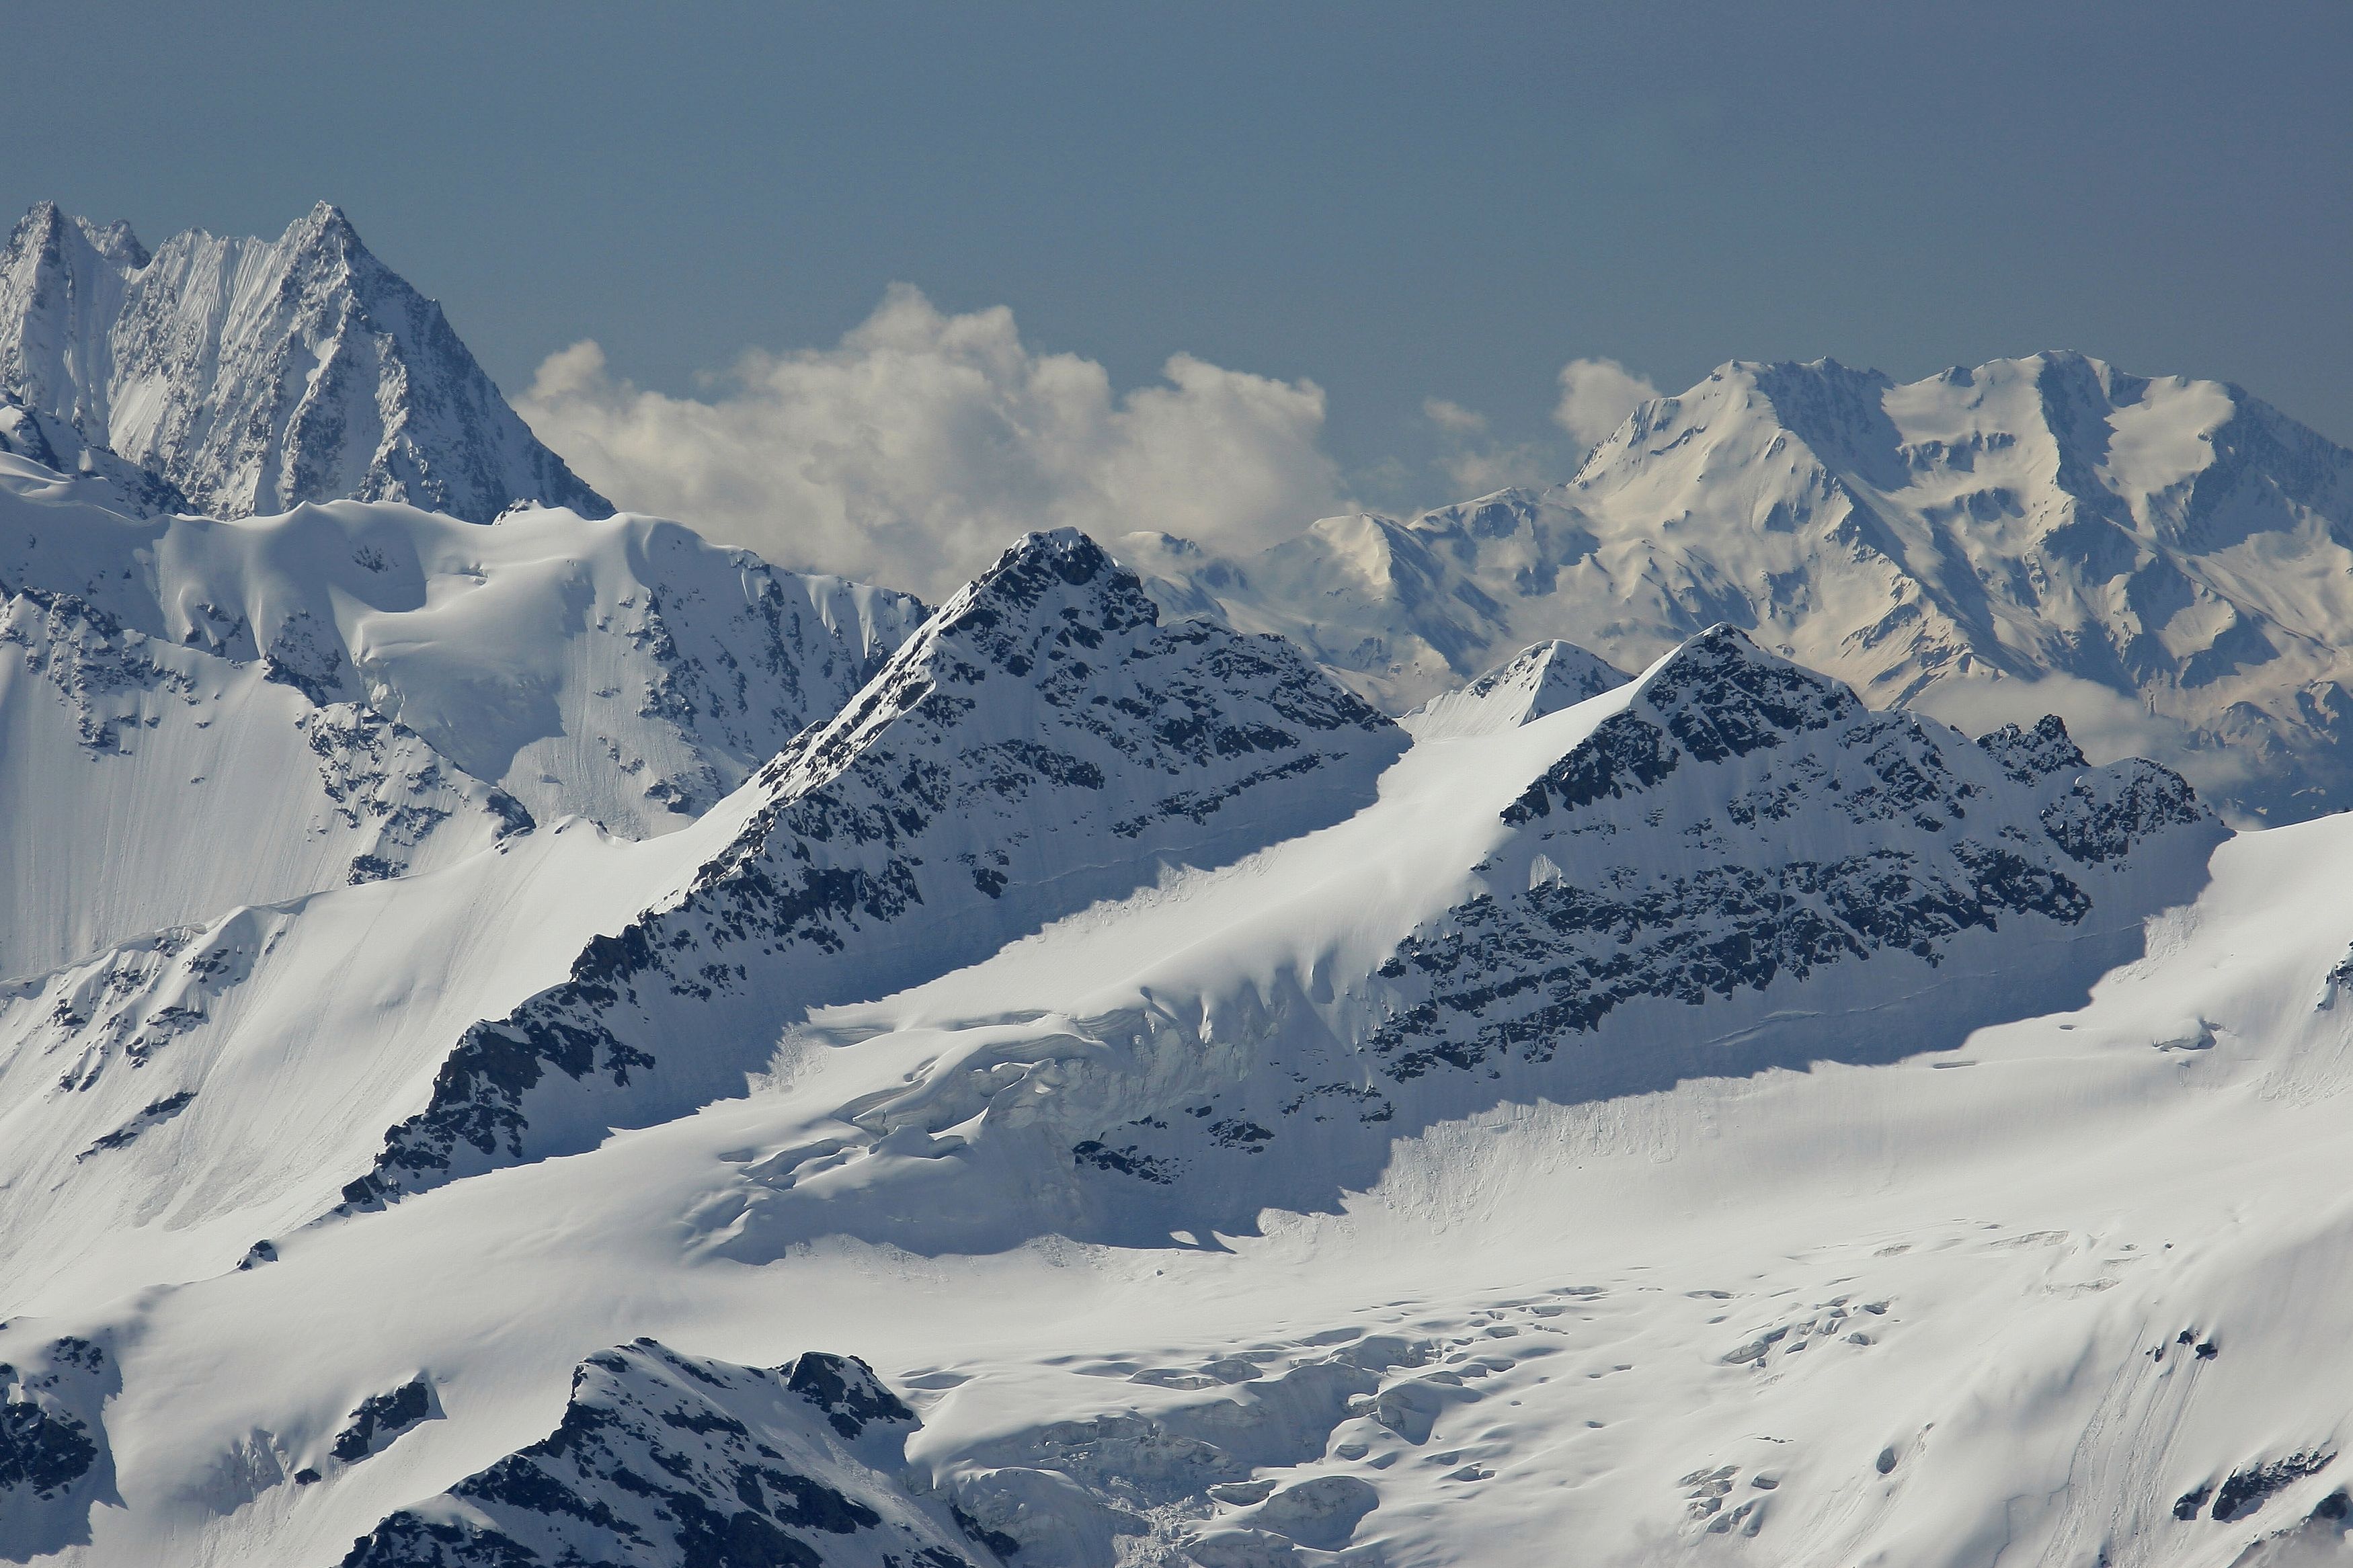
x=2180, y=543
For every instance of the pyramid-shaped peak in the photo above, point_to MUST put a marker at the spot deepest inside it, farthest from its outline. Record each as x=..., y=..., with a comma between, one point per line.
x=1557, y=674
x=1541, y=679
x=1720, y=694
x=324, y=224
x=147, y=359
x=43, y=218
x=1056, y=582
x=47, y=228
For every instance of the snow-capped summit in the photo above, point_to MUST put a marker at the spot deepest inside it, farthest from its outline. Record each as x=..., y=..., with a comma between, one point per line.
x=1543, y=679
x=1042, y=742
x=255, y=375
x=2180, y=542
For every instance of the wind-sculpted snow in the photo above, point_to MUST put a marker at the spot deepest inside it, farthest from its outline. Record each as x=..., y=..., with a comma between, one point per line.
x=1243, y=1145
x=1938, y=544
x=149, y=785
x=251, y=376
x=1042, y=742
x=670, y=1461
x=620, y=669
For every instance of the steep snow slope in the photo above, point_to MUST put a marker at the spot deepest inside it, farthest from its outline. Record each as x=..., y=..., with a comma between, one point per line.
x=168, y=1102
x=617, y=668
x=2178, y=543
x=1530, y=914
x=1041, y=743
x=255, y=375
x=149, y=785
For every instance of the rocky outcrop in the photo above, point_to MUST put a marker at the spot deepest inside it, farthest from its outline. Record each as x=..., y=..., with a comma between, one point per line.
x=672, y=1461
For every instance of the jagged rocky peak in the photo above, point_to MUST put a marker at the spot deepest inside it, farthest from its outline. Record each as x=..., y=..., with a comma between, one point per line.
x=1040, y=743
x=1729, y=865
x=2031, y=755
x=256, y=375
x=1545, y=679
x=1056, y=657
x=1743, y=821
x=674, y=1461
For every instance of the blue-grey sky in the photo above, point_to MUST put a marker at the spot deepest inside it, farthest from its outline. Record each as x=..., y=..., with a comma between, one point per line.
x=1398, y=202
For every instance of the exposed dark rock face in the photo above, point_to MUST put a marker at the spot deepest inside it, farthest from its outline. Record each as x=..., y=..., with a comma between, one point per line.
x=1741, y=824
x=55, y=1461
x=1043, y=742
x=380, y=1418
x=2245, y=1490
x=1736, y=753
x=670, y=1461
x=2029, y=756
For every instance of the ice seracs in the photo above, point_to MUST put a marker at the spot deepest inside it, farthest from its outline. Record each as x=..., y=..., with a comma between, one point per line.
x=254, y=374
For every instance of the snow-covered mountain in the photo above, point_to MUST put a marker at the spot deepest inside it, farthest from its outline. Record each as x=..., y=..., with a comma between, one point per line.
x=1540, y=680
x=197, y=714
x=1229, y=1135
x=555, y=1043
x=2180, y=543
x=1040, y=743
x=251, y=376
x=792, y=1465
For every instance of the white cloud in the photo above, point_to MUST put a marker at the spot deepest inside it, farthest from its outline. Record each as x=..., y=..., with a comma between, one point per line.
x=1484, y=468
x=1596, y=396
x=1453, y=417
x=920, y=446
